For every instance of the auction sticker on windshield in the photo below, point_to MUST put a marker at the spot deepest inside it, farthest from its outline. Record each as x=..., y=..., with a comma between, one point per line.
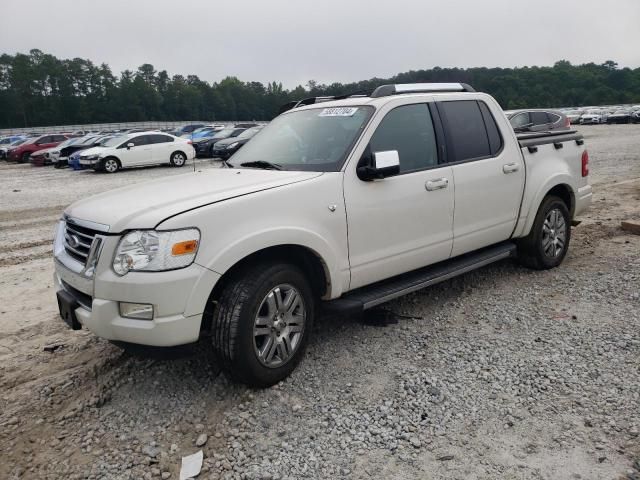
x=338, y=112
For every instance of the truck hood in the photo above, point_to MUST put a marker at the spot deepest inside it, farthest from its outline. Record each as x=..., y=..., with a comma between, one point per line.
x=148, y=204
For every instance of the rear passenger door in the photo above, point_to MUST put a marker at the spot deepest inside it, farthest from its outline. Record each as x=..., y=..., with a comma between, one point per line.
x=161, y=148
x=488, y=173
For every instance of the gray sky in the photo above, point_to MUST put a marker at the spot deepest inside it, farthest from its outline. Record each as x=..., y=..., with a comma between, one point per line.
x=326, y=40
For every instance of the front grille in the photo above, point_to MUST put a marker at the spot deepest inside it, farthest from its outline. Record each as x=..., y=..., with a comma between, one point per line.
x=78, y=241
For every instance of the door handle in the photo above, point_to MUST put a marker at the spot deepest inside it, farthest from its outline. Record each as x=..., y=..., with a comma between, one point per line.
x=437, y=184
x=510, y=167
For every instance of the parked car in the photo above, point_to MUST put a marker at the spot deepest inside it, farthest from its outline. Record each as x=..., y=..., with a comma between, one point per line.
x=537, y=120
x=620, y=116
x=22, y=152
x=8, y=143
x=40, y=158
x=593, y=117
x=187, y=129
x=635, y=116
x=204, y=146
x=345, y=204
x=204, y=132
x=574, y=116
x=138, y=149
x=60, y=155
x=227, y=147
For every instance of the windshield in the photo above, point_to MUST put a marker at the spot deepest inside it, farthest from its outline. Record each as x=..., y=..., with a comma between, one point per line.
x=249, y=133
x=19, y=142
x=226, y=133
x=115, y=141
x=316, y=140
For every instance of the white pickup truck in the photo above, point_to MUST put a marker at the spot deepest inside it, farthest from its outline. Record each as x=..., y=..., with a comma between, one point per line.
x=343, y=203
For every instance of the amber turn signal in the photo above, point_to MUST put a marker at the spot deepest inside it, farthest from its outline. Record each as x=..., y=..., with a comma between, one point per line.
x=184, y=248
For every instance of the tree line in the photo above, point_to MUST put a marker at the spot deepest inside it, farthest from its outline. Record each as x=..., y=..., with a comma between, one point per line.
x=38, y=89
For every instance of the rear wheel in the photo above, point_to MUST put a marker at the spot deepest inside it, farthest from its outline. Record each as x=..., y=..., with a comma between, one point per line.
x=547, y=244
x=178, y=159
x=262, y=323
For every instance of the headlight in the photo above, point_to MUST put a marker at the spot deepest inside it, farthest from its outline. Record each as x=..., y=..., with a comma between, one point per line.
x=95, y=156
x=152, y=251
x=233, y=145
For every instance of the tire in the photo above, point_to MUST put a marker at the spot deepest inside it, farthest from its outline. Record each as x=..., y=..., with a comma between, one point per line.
x=24, y=158
x=256, y=342
x=211, y=152
x=548, y=242
x=178, y=159
x=110, y=165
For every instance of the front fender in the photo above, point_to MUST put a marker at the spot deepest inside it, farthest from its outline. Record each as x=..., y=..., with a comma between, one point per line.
x=233, y=253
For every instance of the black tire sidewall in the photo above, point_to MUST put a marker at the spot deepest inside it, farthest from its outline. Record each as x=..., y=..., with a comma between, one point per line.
x=246, y=363
x=550, y=203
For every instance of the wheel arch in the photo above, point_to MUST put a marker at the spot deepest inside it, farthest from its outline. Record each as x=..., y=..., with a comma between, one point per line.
x=309, y=261
x=558, y=187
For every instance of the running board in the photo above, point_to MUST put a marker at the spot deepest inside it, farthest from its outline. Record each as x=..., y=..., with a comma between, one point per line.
x=373, y=295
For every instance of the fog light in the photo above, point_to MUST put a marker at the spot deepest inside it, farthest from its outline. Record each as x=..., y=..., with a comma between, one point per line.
x=139, y=311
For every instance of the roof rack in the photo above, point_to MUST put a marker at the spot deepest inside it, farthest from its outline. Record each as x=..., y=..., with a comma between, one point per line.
x=387, y=90
x=312, y=100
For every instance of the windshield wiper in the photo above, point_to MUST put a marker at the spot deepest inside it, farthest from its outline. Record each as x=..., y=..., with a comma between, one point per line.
x=262, y=164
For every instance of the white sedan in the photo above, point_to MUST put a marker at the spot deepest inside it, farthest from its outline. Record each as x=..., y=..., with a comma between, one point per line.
x=137, y=150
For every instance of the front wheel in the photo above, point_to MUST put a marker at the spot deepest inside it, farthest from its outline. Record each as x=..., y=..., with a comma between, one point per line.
x=262, y=323
x=25, y=157
x=178, y=159
x=110, y=165
x=546, y=245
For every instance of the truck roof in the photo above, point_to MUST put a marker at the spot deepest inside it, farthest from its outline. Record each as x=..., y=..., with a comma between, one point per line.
x=382, y=95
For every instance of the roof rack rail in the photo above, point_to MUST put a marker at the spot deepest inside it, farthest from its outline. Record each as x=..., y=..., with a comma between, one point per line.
x=387, y=90
x=311, y=100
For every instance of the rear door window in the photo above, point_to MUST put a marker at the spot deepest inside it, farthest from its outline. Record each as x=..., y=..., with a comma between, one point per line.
x=465, y=129
x=161, y=138
x=539, y=118
x=408, y=130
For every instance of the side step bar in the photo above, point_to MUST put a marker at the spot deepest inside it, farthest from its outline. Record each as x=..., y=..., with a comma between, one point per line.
x=373, y=295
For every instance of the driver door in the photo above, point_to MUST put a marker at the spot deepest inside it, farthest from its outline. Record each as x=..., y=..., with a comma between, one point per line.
x=403, y=222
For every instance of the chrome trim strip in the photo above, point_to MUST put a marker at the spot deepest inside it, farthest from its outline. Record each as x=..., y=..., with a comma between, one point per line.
x=436, y=280
x=69, y=227
x=87, y=224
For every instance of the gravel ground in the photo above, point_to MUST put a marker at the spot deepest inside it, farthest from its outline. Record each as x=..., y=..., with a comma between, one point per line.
x=502, y=373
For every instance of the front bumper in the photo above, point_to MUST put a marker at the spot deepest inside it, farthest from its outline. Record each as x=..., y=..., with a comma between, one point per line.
x=178, y=298
x=202, y=149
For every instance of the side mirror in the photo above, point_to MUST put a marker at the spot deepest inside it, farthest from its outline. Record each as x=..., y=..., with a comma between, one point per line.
x=130, y=145
x=381, y=165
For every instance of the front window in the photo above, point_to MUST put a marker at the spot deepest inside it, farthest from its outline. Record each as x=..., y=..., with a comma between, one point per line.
x=317, y=139
x=249, y=132
x=115, y=141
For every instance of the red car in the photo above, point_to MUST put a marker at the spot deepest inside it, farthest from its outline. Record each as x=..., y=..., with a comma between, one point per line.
x=21, y=153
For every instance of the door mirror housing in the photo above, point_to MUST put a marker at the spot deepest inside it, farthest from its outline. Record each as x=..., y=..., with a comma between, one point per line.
x=379, y=165
x=130, y=145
